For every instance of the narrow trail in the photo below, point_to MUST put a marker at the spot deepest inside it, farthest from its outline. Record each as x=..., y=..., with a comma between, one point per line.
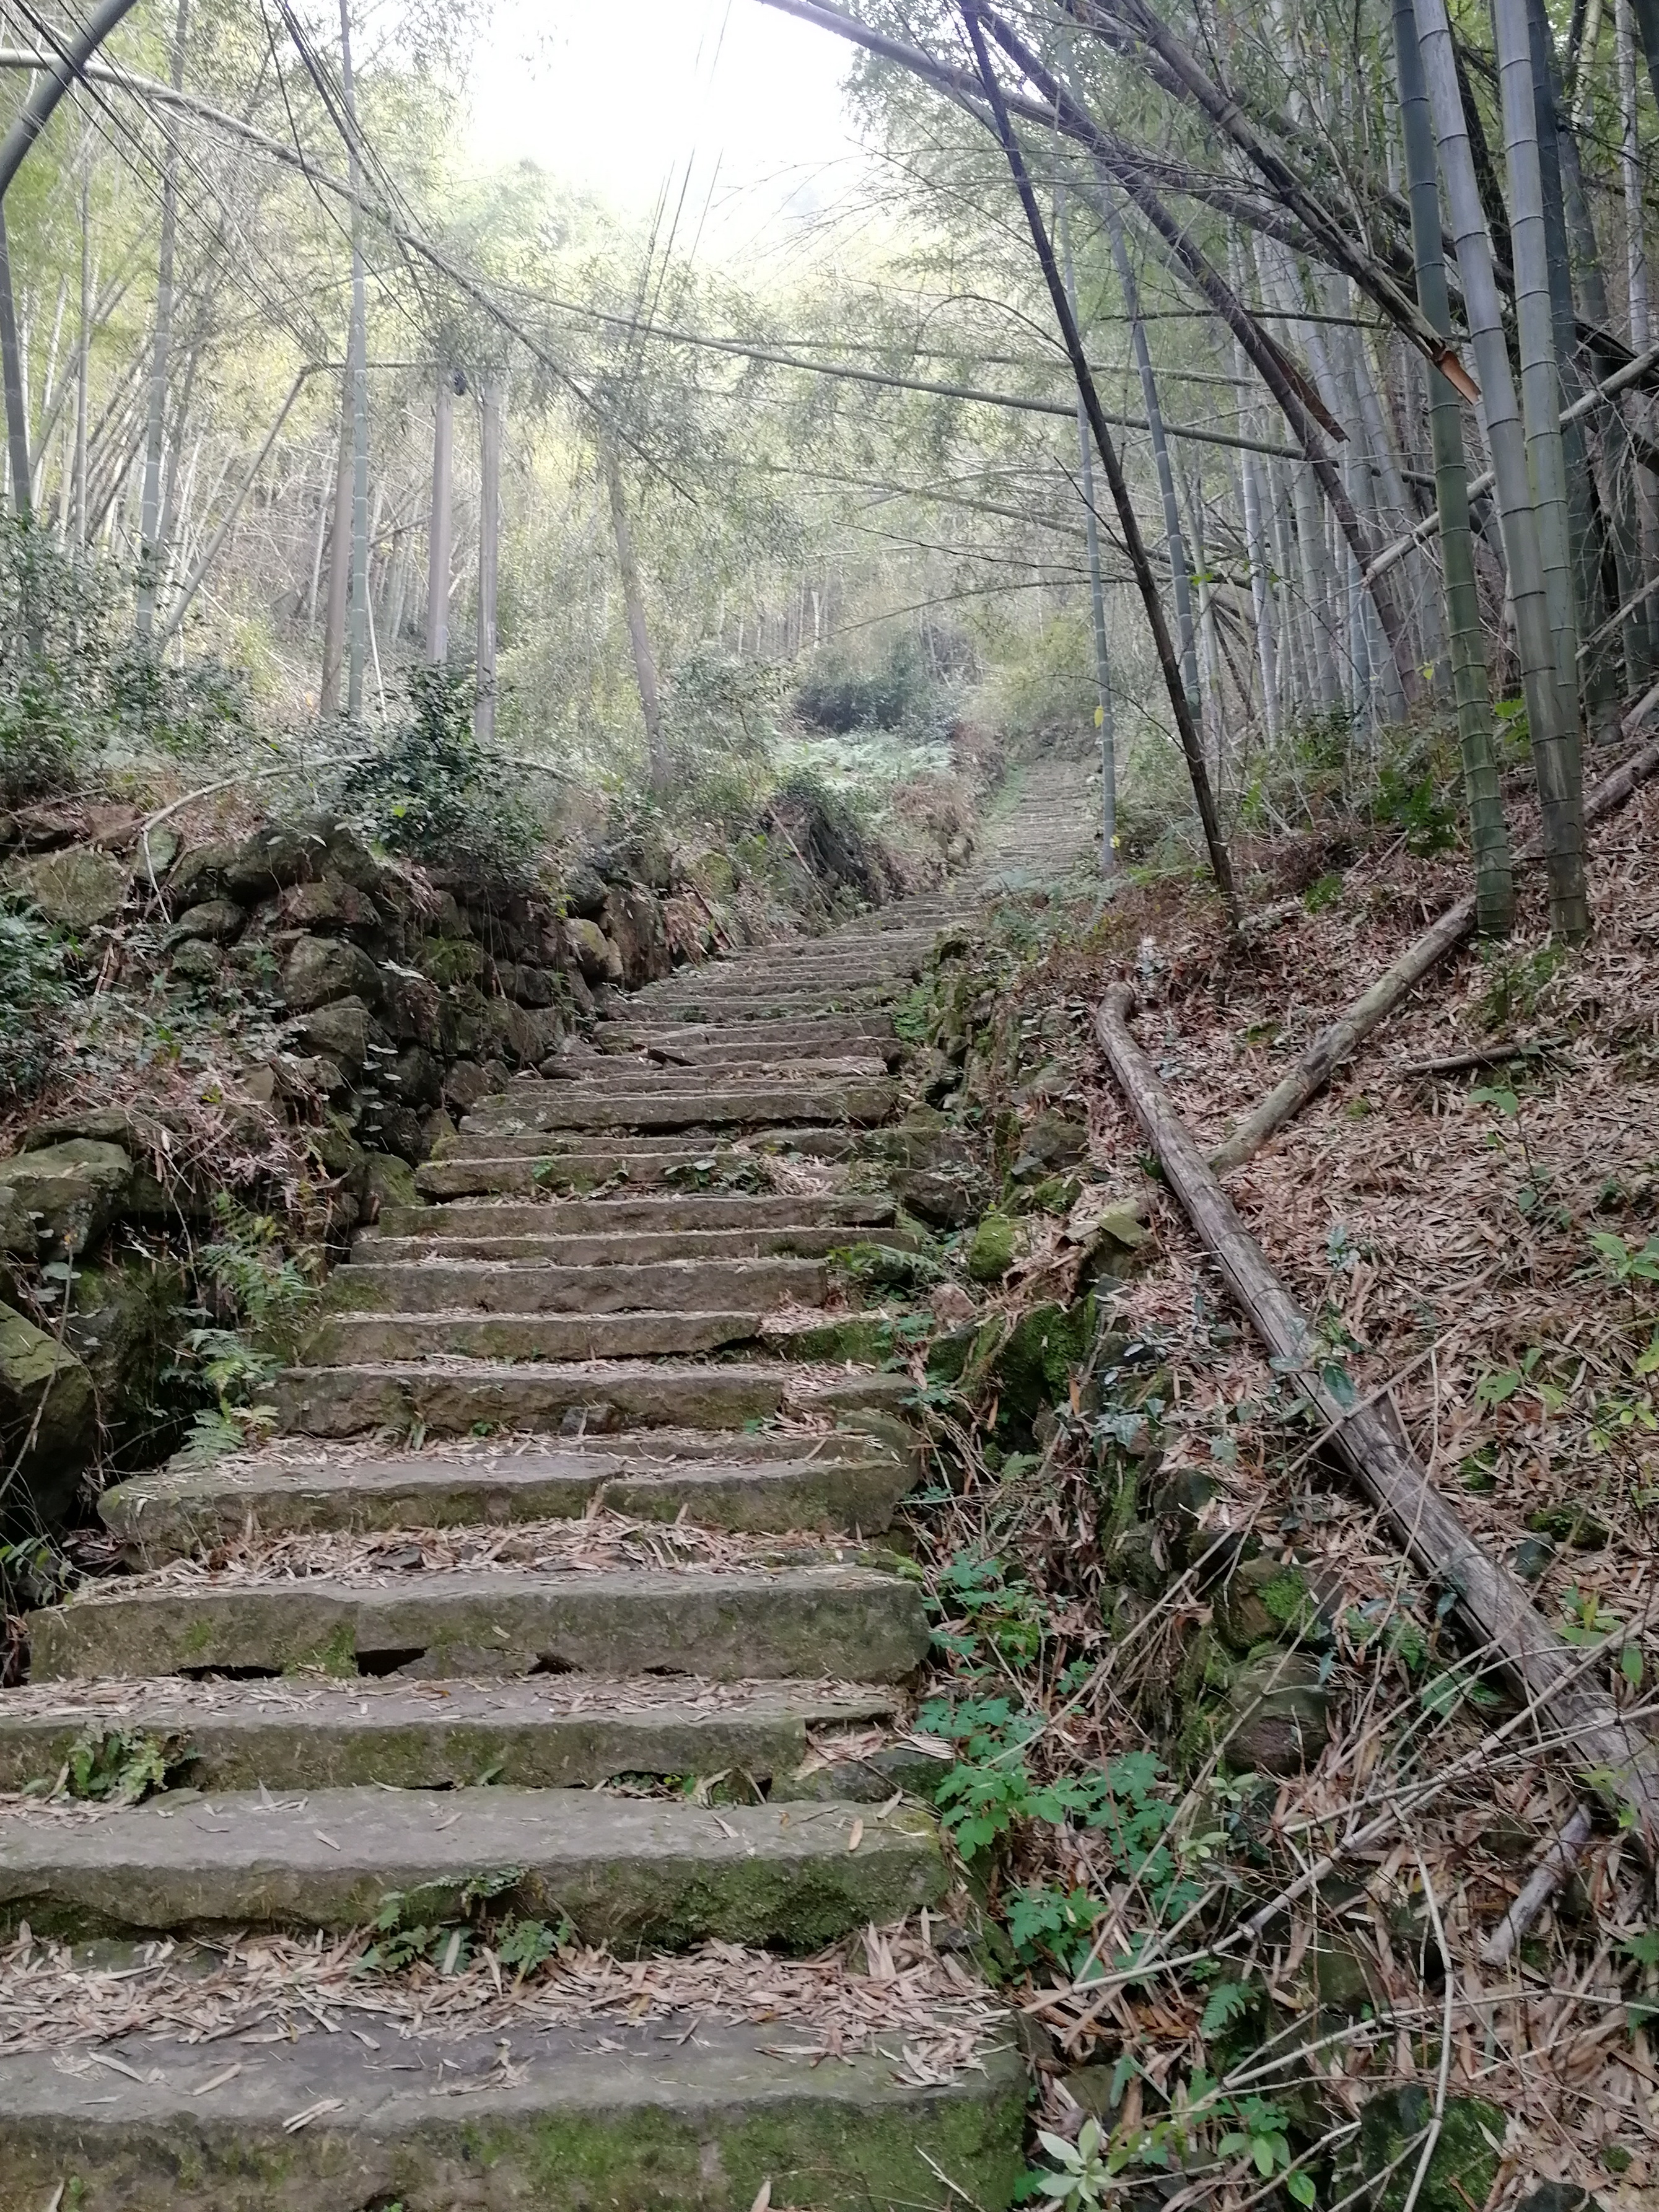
x=650, y=1513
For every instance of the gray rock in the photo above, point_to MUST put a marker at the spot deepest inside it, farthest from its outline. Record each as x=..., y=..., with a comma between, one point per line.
x=417, y=1079
x=215, y=922
x=1278, y=1714
x=38, y=1377
x=1049, y=1142
x=634, y=922
x=592, y=950
x=273, y=858
x=343, y=1031
x=76, y=888
x=329, y=904
x=197, y=962
x=464, y=1085
x=584, y=892
x=534, y=986
x=72, y=1190
x=321, y=969
x=412, y=1007
x=200, y=878
x=943, y=1200
x=124, y=1325
x=16, y=1230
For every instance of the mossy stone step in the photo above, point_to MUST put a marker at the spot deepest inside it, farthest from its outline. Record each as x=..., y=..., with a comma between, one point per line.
x=759, y=1624
x=690, y=1159
x=546, y=1286
x=573, y=1106
x=591, y=1397
x=593, y=1249
x=621, y=1870
x=567, y=1732
x=637, y=1334
x=730, y=1009
x=611, y=1216
x=683, y=2113
x=749, y=1484
x=816, y=1035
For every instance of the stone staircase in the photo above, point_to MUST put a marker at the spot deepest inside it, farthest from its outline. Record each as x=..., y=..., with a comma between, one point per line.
x=559, y=1591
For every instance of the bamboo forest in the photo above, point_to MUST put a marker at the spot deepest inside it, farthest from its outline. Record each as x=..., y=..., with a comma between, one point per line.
x=828, y=1106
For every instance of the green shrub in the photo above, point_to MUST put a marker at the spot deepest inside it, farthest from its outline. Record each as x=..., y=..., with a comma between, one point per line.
x=32, y=995
x=434, y=792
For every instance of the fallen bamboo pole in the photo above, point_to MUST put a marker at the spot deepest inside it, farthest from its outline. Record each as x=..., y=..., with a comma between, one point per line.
x=1338, y=1042
x=1617, y=1761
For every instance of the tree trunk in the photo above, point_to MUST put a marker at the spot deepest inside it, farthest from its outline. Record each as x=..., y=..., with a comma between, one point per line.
x=1096, y=607
x=150, y=510
x=490, y=552
x=339, y=567
x=438, y=536
x=11, y=372
x=1489, y=834
x=639, y=637
x=358, y=371
x=1552, y=719
x=1181, y=584
x=82, y=342
x=1636, y=278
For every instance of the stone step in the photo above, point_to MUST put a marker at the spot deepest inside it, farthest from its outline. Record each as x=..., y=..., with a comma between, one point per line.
x=728, y=1009
x=746, y=1483
x=621, y=1870
x=826, y=1035
x=594, y=1398
x=638, y=1074
x=681, y=1210
x=593, y=1249
x=728, y=1625
x=568, y=1732
x=706, y=1105
x=682, y=2113
x=637, y=1334
x=704, y=1287
x=481, y=1172
x=684, y=1159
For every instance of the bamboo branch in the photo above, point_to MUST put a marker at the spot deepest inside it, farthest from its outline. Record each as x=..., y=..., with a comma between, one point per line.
x=1620, y=1761
x=1565, y=1851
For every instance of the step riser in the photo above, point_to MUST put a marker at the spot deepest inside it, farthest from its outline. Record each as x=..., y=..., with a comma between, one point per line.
x=830, y=1033
x=162, y=1516
x=638, y=1248
x=696, y=1210
x=806, y=1625
x=660, y=1286
x=641, y=1157
x=342, y=1402
x=432, y=1751
x=696, y=2122
x=577, y=1335
x=623, y=1871
x=564, y=1107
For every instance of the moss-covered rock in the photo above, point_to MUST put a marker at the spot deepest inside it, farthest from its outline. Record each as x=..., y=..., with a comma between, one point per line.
x=72, y=1191
x=45, y=1390
x=1275, y=1715
x=1465, y=2156
x=1263, y=1598
x=320, y=970
x=1032, y=1366
x=76, y=888
x=992, y=1252
x=125, y=1324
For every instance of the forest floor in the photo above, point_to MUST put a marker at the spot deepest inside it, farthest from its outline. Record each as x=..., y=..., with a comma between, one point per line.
x=1479, y=1240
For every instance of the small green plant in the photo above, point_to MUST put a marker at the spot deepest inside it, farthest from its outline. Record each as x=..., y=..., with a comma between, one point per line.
x=414, y=1927
x=122, y=1766
x=1083, y=2174
x=32, y=995
x=434, y=792
x=991, y=1607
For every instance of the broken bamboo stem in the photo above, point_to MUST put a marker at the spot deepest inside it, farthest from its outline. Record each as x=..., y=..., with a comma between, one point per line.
x=1620, y=1762
x=1339, y=1041
x=1563, y=1852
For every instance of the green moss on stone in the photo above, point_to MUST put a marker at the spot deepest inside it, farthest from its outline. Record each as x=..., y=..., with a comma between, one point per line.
x=992, y=1252
x=1465, y=2156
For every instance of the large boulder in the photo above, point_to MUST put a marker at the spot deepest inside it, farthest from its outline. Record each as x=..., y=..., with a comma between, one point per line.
x=595, y=956
x=200, y=877
x=71, y=1191
x=411, y=1007
x=322, y=969
x=634, y=922
x=1276, y=1717
x=281, y=853
x=1467, y=2152
x=76, y=888
x=584, y=893
x=46, y=1397
x=1049, y=1144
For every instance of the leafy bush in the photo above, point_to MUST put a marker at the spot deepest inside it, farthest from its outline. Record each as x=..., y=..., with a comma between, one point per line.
x=434, y=792
x=838, y=697
x=31, y=996
x=827, y=834
x=74, y=680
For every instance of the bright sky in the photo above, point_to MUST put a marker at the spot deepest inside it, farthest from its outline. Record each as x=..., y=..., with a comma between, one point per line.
x=618, y=97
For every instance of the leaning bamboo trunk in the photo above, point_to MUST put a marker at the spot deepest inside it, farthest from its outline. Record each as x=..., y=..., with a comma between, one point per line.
x=1621, y=1762
x=1489, y=833
x=1553, y=717
x=149, y=508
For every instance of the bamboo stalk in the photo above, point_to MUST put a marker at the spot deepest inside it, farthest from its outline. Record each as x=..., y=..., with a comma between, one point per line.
x=1621, y=1762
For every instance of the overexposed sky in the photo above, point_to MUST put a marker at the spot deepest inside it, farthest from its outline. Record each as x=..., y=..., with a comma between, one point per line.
x=618, y=97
